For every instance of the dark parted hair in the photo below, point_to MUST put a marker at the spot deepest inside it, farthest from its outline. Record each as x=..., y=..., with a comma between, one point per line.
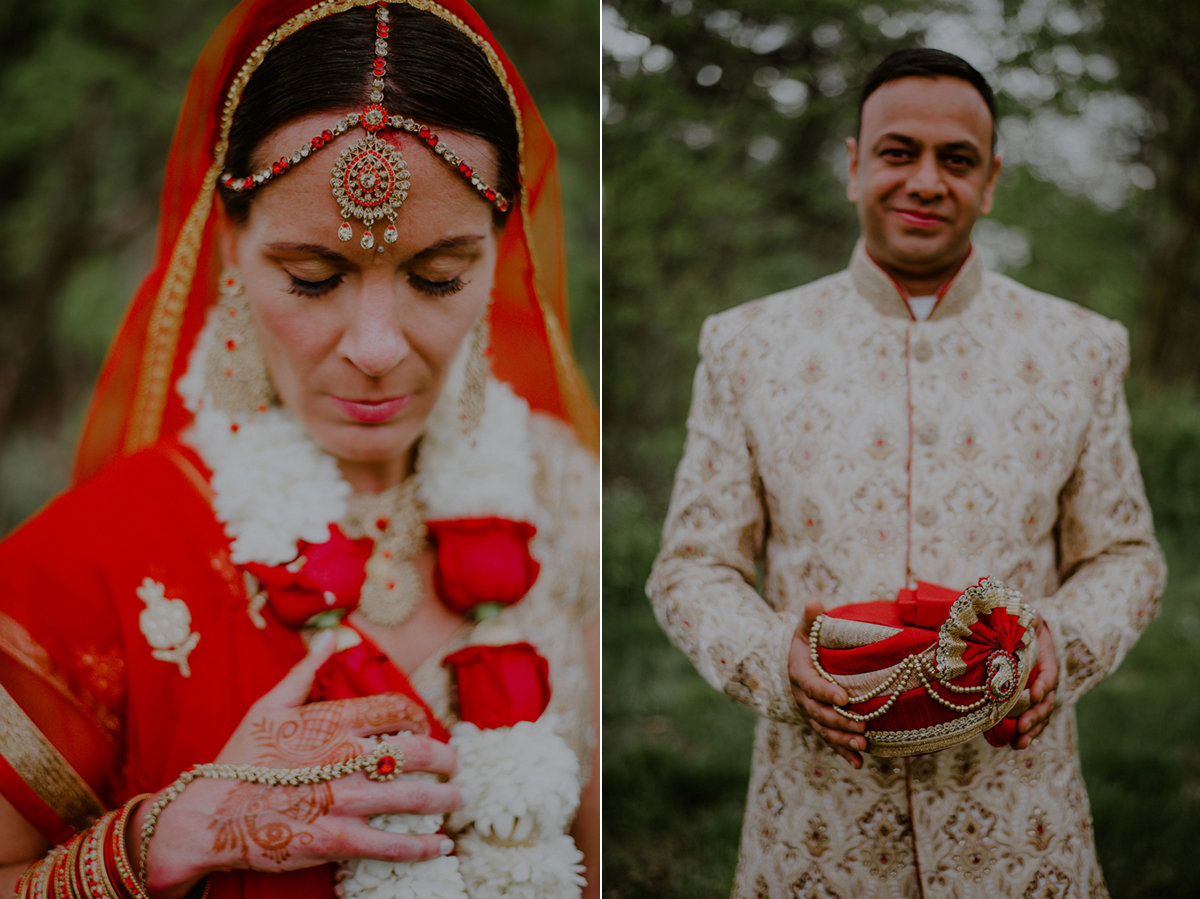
x=435, y=75
x=921, y=62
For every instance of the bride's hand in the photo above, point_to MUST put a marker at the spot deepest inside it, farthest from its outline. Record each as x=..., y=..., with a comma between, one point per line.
x=225, y=824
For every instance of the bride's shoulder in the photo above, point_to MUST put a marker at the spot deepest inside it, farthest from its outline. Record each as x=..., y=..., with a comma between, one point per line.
x=567, y=488
x=132, y=492
x=568, y=474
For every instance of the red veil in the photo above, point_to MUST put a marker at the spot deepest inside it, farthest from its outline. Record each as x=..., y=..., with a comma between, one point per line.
x=135, y=404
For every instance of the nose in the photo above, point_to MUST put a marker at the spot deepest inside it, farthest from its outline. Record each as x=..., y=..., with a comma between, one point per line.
x=373, y=340
x=925, y=180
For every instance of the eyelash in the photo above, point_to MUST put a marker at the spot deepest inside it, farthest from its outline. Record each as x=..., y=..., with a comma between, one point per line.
x=312, y=289
x=954, y=161
x=436, y=288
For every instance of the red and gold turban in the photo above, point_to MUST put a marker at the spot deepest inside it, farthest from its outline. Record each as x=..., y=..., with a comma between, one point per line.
x=932, y=669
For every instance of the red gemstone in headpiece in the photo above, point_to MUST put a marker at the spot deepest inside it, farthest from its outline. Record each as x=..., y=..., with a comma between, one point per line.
x=424, y=133
x=248, y=183
x=374, y=117
x=432, y=140
x=381, y=29
x=465, y=169
x=327, y=135
x=276, y=167
x=490, y=194
x=318, y=142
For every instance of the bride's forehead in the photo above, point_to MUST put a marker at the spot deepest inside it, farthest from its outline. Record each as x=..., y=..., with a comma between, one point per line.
x=300, y=205
x=287, y=139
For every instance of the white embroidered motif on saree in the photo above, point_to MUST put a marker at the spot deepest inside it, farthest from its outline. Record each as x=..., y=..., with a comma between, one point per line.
x=167, y=626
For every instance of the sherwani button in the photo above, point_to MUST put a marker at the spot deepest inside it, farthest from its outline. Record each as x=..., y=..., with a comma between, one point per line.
x=922, y=350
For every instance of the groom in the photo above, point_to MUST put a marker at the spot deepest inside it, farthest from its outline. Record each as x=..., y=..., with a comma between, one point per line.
x=912, y=417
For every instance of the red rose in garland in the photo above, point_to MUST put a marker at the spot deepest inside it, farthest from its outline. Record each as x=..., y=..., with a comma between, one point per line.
x=482, y=561
x=500, y=685
x=324, y=577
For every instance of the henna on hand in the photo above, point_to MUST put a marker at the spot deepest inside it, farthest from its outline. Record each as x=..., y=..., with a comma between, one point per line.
x=264, y=817
x=325, y=732
x=281, y=828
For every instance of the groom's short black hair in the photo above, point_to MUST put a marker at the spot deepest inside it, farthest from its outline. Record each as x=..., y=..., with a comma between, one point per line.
x=923, y=62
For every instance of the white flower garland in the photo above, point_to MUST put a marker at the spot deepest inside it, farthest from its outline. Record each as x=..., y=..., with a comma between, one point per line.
x=273, y=486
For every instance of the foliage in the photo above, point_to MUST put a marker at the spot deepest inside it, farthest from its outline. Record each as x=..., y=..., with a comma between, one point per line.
x=553, y=45
x=1156, y=43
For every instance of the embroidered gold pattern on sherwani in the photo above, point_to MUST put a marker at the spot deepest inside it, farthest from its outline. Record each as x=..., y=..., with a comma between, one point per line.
x=850, y=449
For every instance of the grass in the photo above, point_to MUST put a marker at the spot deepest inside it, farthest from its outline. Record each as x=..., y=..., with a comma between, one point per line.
x=677, y=753
x=676, y=756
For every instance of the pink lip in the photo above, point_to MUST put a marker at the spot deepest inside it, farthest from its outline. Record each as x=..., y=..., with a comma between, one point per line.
x=372, y=411
x=920, y=219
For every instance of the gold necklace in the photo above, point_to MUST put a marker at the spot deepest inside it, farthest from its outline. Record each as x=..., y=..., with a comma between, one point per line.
x=395, y=520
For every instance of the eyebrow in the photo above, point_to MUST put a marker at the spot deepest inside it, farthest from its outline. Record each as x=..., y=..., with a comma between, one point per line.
x=311, y=249
x=954, y=147
x=323, y=252
x=450, y=243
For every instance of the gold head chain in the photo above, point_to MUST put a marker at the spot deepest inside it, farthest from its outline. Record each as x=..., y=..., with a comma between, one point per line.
x=370, y=178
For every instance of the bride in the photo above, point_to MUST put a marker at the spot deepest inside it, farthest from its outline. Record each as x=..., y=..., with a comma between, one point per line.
x=318, y=615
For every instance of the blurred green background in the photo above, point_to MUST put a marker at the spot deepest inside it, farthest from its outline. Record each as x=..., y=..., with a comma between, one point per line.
x=724, y=181
x=90, y=90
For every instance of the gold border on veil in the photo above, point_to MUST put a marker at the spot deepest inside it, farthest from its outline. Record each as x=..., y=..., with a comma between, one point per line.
x=43, y=768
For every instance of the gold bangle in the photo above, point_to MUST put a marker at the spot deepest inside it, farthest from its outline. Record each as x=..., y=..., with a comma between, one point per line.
x=383, y=762
x=62, y=872
x=135, y=886
x=68, y=869
x=39, y=881
x=95, y=872
x=22, y=890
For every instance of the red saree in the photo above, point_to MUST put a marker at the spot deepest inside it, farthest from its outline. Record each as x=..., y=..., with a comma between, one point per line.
x=89, y=713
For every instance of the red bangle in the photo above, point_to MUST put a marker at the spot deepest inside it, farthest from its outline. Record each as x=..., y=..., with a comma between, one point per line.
x=36, y=882
x=92, y=865
x=94, y=875
x=117, y=857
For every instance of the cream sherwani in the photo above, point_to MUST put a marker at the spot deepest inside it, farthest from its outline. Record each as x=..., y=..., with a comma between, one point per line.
x=850, y=449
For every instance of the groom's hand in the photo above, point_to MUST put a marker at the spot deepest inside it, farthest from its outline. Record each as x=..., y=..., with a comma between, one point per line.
x=817, y=697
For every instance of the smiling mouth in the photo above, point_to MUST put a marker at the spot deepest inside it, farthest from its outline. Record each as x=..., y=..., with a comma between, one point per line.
x=920, y=219
x=372, y=411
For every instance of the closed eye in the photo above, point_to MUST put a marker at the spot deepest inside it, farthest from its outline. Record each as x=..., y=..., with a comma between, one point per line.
x=437, y=288
x=310, y=289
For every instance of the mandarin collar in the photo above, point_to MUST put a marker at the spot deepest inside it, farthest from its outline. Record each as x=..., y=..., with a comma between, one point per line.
x=878, y=289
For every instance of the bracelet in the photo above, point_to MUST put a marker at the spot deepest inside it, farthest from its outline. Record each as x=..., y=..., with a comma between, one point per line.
x=383, y=762
x=117, y=857
x=93, y=864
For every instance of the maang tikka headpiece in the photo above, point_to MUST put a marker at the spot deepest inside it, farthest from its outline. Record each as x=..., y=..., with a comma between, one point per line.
x=370, y=178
